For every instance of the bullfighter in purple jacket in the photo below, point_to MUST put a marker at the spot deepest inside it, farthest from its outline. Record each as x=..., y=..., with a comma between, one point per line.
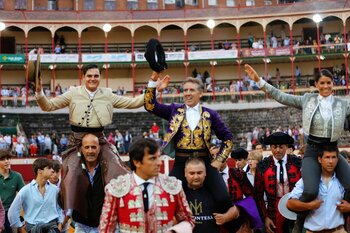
x=190, y=129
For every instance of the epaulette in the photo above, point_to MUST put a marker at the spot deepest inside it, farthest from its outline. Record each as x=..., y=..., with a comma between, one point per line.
x=264, y=164
x=295, y=160
x=120, y=186
x=170, y=184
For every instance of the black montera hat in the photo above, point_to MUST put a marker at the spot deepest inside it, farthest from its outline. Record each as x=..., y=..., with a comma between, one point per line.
x=279, y=138
x=239, y=153
x=155, y=55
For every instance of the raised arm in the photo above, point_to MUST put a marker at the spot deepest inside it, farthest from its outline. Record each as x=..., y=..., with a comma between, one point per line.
x=150, y=101
x=127, y=102
x=280, y=96
x=52, y=104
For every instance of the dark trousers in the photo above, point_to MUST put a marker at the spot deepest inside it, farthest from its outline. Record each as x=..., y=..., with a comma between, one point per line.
x=213, y=182
x=311, y=173
x=7, y=226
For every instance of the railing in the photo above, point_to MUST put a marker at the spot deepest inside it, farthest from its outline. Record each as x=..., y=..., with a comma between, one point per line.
x=203, y=55
x=221, y=97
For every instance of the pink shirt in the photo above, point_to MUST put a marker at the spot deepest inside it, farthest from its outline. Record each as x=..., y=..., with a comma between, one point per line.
x=2, y=216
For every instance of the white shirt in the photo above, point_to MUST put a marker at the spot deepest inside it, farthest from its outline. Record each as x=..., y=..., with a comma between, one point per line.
x=245, y=168
x=250, y=177
x=139, y=181
x=91, y=94
x=8, y=139
x=19, y=148
x=327, y=216
x=224, y=175
x=284, y=159
x=193, y=116
x=281, y=188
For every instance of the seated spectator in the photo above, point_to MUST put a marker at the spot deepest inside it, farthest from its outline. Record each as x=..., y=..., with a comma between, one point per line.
x=226, y=45
x=255, y=44
x=57, y=49
x=286, y=42
x=193, y=47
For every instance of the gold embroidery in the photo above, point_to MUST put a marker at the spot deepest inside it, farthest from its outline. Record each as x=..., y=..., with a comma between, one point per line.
x=226, y=151
x=194, y=139
x=149, y=105
x=174, y=124
x=206, y=128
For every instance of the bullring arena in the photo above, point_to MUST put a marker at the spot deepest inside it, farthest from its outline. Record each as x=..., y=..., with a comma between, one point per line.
x=287, y=42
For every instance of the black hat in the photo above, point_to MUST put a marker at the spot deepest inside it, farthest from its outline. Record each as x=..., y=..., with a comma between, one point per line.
x=279, y=138
x=155, y=55
x=239, y=153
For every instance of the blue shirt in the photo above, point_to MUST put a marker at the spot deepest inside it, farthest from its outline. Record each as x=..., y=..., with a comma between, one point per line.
x=91, y=176
x=327, y=216
x=38, y=209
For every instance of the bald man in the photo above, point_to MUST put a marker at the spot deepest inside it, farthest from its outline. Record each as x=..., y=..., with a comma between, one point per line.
x=92, y=182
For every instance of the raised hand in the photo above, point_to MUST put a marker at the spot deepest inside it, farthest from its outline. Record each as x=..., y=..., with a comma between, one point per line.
x=163, y=83
x=252, y=73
